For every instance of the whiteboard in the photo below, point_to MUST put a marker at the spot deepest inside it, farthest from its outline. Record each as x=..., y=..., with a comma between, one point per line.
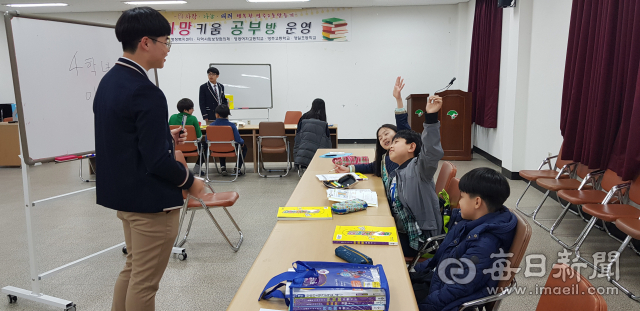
x=57, y=66
x=249, y=84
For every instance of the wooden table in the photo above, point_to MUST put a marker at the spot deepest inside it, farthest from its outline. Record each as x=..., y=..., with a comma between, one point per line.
x=9, y=144
x=324, y=165
x=250, y=135
x=291, y=241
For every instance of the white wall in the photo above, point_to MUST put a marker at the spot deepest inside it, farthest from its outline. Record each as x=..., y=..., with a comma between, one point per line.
x=534, y=43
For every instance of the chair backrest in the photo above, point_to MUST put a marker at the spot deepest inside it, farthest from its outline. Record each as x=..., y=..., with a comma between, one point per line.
x=559, y=162
x=566, y=292
x=292, y=117
x=634, y=191
x=454, y=192
x=447, y=172
x=272, y=129
x=191, y=136
x=609, y=180
x=583, y=170
x=220, y=133
x=518, y=249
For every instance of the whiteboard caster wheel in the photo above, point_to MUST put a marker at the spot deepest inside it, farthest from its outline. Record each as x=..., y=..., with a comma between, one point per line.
x=71, y=308
x=182, y=256
x=12, y=299
x=124, y=250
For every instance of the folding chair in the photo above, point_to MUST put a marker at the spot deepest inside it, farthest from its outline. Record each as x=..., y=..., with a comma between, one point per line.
x=221, y=144
x=190, y=147
x=573, y=287
x=559, y=183
x=272, y=140
x=533, y=175
x=454, y=197
x=605, y=179
x=447, y=173
x=631, y=227
x=206, y=202
x=609, y=212
x=292, y=117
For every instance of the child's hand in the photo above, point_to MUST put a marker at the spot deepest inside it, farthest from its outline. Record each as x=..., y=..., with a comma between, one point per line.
x=341, y=169
x=434, y=104
x=397, y=88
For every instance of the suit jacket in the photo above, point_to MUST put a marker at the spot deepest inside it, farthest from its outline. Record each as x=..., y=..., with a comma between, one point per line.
x=208, y=102
x=138, y=171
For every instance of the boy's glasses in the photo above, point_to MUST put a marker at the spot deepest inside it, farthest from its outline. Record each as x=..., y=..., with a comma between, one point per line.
x=168, y=43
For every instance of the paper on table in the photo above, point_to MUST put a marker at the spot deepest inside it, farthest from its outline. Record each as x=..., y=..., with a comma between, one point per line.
x=339, y=195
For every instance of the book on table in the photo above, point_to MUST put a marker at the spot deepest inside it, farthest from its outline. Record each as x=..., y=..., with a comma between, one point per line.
x=365, y=235
x=304, y=213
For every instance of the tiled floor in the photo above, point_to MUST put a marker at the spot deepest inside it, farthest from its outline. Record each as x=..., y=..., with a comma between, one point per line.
x=74, y=227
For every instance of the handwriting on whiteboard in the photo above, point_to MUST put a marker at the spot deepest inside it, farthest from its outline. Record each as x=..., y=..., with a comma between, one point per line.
x=88, y=66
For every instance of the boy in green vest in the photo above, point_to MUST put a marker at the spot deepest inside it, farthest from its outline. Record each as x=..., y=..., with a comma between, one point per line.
x=185, y=107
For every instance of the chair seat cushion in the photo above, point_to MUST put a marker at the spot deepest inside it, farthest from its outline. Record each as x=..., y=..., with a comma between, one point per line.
x=190, y=154
x=535, y=174
x=579, y=197
x=558, y=184
x=216, y=199
x=611, y=212
x=630, y=226
x=274, y=149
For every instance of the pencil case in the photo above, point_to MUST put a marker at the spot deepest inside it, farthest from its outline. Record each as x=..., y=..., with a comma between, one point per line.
x=350, y=206
x=351, y=160
x=353, y=256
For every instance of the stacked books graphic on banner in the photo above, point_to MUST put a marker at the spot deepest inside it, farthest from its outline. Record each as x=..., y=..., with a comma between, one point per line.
x=334, y=29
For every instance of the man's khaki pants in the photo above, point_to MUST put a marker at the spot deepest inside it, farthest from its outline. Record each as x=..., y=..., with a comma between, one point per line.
x=149, y=239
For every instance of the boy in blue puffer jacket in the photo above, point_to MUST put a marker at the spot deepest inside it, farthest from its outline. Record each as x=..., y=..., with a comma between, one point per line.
x=480, y=227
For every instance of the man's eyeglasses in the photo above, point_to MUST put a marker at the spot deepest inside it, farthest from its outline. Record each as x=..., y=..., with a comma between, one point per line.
x=168, y=43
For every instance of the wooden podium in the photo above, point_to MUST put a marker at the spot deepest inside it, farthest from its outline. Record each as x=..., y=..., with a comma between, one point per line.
x=455, y=122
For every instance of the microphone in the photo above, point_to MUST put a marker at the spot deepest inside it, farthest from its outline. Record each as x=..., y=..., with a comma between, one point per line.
x=446, y=87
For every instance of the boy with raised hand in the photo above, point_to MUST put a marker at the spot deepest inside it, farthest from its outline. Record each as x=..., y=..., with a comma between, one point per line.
x=481, y=227
x=411, y=193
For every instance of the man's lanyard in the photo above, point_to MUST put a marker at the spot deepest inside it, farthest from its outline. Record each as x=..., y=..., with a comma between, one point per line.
x=127, y=63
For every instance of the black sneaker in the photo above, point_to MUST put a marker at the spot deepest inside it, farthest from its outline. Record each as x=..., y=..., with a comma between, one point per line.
x=240, y=173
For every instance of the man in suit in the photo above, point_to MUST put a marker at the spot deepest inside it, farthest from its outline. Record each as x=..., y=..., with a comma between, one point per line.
x=211, y=95
x=139, y=175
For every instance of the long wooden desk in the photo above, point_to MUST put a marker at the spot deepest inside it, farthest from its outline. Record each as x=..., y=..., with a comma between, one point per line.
x=312, y=241
x=250, y=135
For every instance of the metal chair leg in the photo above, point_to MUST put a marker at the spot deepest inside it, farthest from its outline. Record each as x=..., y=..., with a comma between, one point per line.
x=186, y=235
x=183, y=213
x=261, y=164
x=238, y=155
x=610, y=265
x=215, y=222
x=581, y=240
x=535, y=212
x=557, y=223
x=519, y=199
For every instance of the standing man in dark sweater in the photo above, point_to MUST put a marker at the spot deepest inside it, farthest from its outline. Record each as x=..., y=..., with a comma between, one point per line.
x=211, y=95
x=139, y=175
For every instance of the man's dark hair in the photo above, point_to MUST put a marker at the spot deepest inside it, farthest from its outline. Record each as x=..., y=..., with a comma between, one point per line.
x=136, y=23
x=411, y=137
x=213, y=70
x=184, y=105
x=223, y=111
x=487, y=184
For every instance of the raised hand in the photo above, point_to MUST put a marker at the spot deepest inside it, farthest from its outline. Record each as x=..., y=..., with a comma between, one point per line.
x=434, y=104
x=397, y=88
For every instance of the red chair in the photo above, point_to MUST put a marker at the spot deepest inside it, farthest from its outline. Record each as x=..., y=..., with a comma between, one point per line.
x=572, y=288
x=272, y=139
x=631, y=227
x=533, y=175
x=292, y=117
x=206, y=202
x=221, y=144
x=606, y=180
x=447, y=173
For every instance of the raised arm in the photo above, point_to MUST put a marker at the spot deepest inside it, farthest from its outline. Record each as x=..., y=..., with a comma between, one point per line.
x=431, y=151
x=402, y=118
